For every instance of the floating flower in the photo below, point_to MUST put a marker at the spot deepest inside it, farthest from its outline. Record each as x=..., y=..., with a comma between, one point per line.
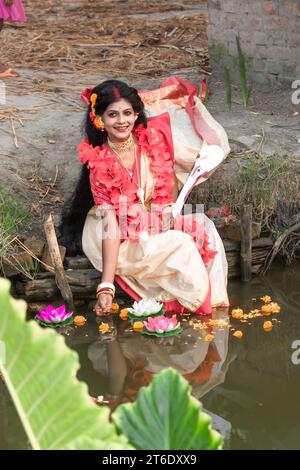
x=145, y=308
x=267, y=309
x=237, y=313
x=79, y=320
x=275, y=307
x=104, y=328
x=138, y=326
x=268, y=325
x=266, y=299
x=124, y=314
x=161, y=324
x=52, y=315
x=114, y=307
x=238, y=334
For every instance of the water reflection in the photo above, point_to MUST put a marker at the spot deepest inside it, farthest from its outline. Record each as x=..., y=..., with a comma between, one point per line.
x=250, y=386
x=127, y=360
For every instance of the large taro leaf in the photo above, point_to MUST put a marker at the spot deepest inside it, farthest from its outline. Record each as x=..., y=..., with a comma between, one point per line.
x=40, y=373
x=166, y=417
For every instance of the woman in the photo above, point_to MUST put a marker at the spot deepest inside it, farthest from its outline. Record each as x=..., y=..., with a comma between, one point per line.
x=133, y=167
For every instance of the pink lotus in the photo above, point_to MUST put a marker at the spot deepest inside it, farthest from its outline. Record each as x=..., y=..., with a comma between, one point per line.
x=54, y=315
x=161, y=324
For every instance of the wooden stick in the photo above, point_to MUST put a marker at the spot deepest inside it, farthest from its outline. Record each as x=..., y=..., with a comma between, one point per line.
x=60, y=277
x=277, y=245
x=246, y=242
x=14, y=133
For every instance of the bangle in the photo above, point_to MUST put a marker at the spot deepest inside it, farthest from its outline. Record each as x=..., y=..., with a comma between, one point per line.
x=109, y=285
x=100, y=291
x=105, y=292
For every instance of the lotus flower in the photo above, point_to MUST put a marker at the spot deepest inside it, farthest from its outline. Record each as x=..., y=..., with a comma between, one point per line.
x=161, y=324
x=145, y=307
x=54, y=315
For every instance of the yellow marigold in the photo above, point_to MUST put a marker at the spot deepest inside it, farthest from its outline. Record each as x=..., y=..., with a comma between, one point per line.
x=104, y=328
x=267, y=309
x=266, y=299
x=123, y=314
x=138, y=326
x=238, y=334
x=268, y=325
x=114, y=307
x=79, y=320
x=275, y=307
x=209, y=337
x=237, y=313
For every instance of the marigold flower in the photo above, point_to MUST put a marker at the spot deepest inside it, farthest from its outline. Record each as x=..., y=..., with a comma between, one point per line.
x=268, y=325
x=114, y=307
x=237, y=313
x=123, y=314
x=266, y=299
x=275, y=307
x=104, y=328
x=138, y=326
x=79, y=320
x=267, y=309
x=238, y=334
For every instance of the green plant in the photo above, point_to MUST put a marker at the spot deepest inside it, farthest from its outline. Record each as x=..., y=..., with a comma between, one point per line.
x=57, y=413
x=227, y=81
x=13, y=215
x=243, y=73
x=40, y=373
x=166, y=416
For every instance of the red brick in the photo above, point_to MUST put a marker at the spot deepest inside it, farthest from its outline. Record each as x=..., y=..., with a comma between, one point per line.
x=269, y=8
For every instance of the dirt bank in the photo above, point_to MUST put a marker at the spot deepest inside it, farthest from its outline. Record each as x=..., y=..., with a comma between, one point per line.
x=41, y=121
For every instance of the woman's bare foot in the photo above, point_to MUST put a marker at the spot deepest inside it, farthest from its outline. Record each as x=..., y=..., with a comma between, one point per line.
x=7, y=72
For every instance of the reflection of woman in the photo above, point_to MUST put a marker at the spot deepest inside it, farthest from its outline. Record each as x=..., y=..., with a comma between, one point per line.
x=134, y=167
x=131, y=361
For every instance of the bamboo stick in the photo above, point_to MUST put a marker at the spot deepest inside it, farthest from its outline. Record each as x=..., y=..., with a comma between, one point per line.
x=60, y=277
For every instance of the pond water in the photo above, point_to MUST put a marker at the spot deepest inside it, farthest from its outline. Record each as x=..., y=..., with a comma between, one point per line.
x=250, y=386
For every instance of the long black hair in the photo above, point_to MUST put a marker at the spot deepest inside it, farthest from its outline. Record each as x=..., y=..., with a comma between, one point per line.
x=75, y=212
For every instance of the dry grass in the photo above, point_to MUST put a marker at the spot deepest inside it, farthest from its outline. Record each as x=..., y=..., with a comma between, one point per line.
x=109, y=37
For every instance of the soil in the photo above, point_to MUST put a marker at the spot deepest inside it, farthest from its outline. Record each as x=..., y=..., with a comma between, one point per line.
x=66, y=47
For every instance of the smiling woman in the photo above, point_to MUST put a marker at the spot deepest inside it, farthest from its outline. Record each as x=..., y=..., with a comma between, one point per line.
x=121, y=209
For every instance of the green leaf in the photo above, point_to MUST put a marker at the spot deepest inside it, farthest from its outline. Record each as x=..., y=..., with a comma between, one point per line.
x=40, y=373
x=227, y=81
x=243, y=72
x=166, y=417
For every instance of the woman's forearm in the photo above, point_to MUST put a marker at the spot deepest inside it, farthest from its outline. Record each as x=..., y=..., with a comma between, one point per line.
x=110, y=247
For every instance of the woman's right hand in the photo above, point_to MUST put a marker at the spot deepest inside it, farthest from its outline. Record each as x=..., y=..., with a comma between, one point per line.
x=103, y=305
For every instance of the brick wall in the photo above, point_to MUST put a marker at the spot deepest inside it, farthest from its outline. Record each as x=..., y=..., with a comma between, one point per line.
x=269, y=36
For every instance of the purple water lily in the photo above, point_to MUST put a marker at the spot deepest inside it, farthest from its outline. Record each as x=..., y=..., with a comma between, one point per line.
x=54, y=315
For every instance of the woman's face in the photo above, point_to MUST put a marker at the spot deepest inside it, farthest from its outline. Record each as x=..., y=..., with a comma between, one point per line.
x=119, y=119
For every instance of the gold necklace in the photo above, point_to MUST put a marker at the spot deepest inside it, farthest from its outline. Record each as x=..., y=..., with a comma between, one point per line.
x=140, y=192
x=121, y=146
